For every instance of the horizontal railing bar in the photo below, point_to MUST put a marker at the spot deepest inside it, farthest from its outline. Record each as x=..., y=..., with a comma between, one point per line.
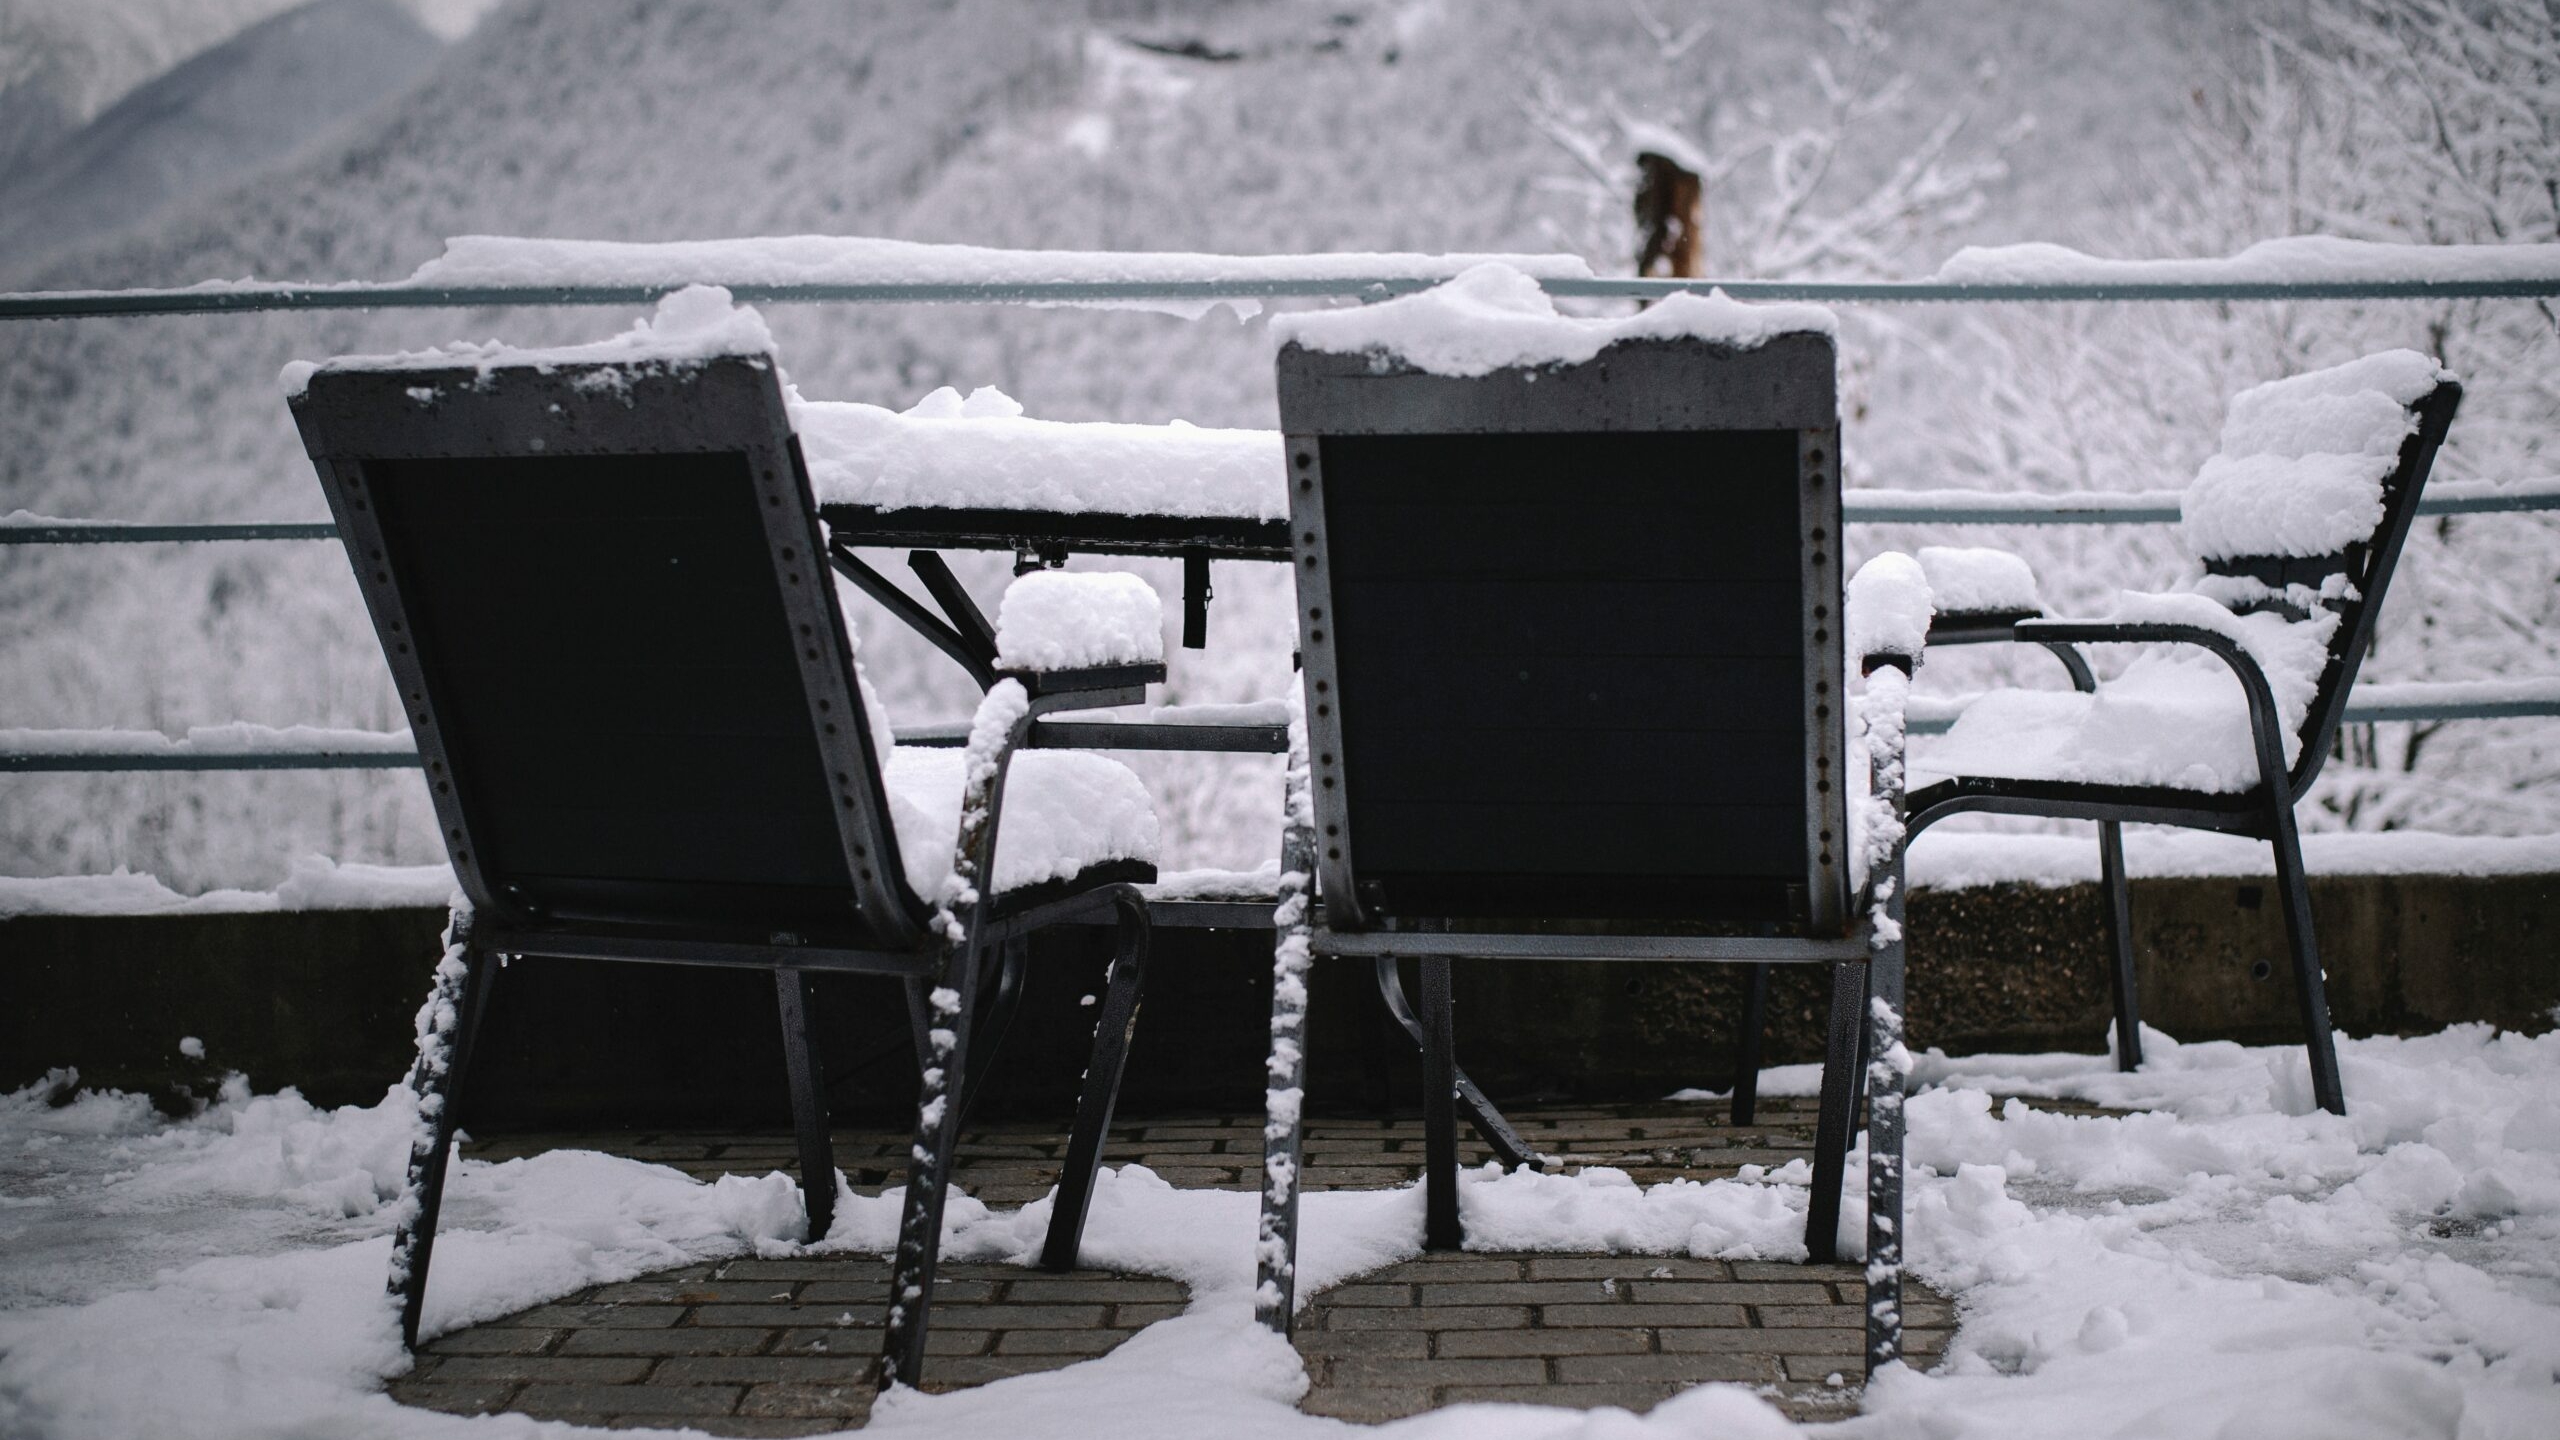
x=247, y=297
x=1896, y=507
x=1088, y=734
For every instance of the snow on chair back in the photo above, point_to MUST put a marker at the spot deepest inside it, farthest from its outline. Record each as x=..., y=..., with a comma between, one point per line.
x=2303, y=511
x=605, y=601
x=1571, y=633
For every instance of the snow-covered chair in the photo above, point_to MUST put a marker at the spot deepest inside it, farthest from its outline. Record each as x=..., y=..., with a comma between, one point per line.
x=605, y=598
x=1576, y=687
x=2297, y=523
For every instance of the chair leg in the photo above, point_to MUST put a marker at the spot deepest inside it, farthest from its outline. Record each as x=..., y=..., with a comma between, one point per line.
x=1489, y=1122
x=1887, y=1077
x=1101, y=1094
x=2128, y=1002
x=2310, y=989
x=953, y=1003
x=447, y=1025
x=1001, y=1006
x=1746, y=1047
x=1839, y=1106
x=1284, y=1109
x=1441, y=1229
x=808, y=1103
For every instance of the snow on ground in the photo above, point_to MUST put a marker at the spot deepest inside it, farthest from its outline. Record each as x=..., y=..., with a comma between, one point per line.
x=2227, y=1260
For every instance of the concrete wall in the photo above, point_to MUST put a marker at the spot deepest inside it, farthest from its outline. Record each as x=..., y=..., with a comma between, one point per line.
x=323, y=1000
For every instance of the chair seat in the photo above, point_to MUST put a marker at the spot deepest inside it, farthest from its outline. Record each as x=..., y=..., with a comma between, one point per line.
x=2175, y=721
x=1065, y=812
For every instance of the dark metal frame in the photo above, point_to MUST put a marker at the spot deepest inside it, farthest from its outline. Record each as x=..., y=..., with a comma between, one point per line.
x=946, y=954
x=2262, y=812
x=1652, y=385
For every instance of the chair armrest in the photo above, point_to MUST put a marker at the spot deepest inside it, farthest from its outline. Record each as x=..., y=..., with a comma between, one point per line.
x=2264, y=719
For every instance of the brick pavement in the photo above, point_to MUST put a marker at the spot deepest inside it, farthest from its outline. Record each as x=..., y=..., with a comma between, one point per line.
x=778, y=1347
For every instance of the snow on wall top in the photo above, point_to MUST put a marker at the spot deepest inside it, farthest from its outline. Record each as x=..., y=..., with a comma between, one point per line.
x=696, y=323
x=983, y=452
x=1495, y=317
x=2296, y=259
x=2303, y=459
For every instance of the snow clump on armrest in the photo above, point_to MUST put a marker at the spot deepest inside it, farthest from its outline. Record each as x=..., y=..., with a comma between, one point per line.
x=1494, y=317
x=1889, y=608
x=2303, y=459
x=1070, y=620
x=1965, y=580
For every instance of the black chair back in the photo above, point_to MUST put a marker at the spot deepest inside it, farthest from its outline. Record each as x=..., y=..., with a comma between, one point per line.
x=605, y=600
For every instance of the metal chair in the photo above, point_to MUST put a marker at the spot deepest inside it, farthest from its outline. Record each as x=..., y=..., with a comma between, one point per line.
x=607, y=606
x=1575, y=689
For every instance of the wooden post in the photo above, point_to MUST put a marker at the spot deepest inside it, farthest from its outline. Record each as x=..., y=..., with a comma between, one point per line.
x=1671, y=214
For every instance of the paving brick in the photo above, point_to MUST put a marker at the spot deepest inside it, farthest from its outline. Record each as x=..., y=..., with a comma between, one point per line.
x=1381, y=1371
x=772, y=1315
x=1711, y=1292
x=1105, y=1291
x=761, y=1369
x=570, y=1402
x=944, y=1340
x=738, y=1425
x=1444, y=1270
x=1133, y=1317
x=1848, y=1366
x=549, y=1369
x=1652, y=1369
x=598, y=1317
x=479, y=1399
x=1447, y=1317
x=1369, y=1404
x=1562, y=1316
x=1391, y=1344
x=1015, y=1317
x=1624, y=1267
x=1058, y=1342
x=682, y=1340
x=1788, y=1317
x=846, y=1402
x=704, y=1291
x=1367, y=1294
x=498, y=1340
x=1543, y=1342
x=834, y=1340
x=962, y=1371
x=1761, y=1342
x=1634, y=1397
x=875, y=1292
x=1771, y=1270
x=1522, y=1292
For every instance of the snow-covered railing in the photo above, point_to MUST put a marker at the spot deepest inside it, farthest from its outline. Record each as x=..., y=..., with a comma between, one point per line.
x=481, y=270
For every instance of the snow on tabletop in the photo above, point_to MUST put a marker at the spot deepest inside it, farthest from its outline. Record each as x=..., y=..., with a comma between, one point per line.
x=1947, y=859
x=694, y=324
x=2175, y=717
x=984, y=453
x=474, y=260
x=2303, y=459
x=1495, y=317
x=2299, y=259
x=1065, y=811
x=1889, y=605
x=1973, y=580
x=2220, y=1258
x=313, y=882
x=1078, y=620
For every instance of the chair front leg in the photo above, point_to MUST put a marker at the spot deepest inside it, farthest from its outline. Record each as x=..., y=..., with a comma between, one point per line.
x=2120, y=982
x=1843, y=1040
x=1441, y=1227
x=1101, y=1093
x=1746, y=1046
x=2310, y=988
x=1284, y=1100
x=1490, y=1124
x=448, y=1023
x=1888, y=1066
x=808, y=1103
x=1003, y=717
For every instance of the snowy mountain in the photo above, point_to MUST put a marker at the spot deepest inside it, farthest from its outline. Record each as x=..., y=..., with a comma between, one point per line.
x=277, y=87
x=1161, y=124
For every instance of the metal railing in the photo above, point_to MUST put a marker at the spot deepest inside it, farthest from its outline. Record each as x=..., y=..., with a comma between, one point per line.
x=151, y=751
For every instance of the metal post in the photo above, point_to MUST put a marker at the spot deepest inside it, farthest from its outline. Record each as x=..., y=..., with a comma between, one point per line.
x=1284, y=1118
x=808, y=1102
x=1441, y=1229
x=445, y=1031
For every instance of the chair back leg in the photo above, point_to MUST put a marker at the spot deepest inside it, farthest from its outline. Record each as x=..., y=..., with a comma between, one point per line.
x=2310, y=990
x=953, y=1003
x=1490, y=1124
x=1746, y=1046
x=808, y=1103
x=447, y=1025
x=1842, y=1041
x=1284, y=1109
x=1101, y=1094
x=2119, y=900
x=1000, y=1005
x=1441, y=1228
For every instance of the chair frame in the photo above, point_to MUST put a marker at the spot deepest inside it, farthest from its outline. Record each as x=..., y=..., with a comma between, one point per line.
x=2265, y=811
x=1649, y=385
x=943, y=949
